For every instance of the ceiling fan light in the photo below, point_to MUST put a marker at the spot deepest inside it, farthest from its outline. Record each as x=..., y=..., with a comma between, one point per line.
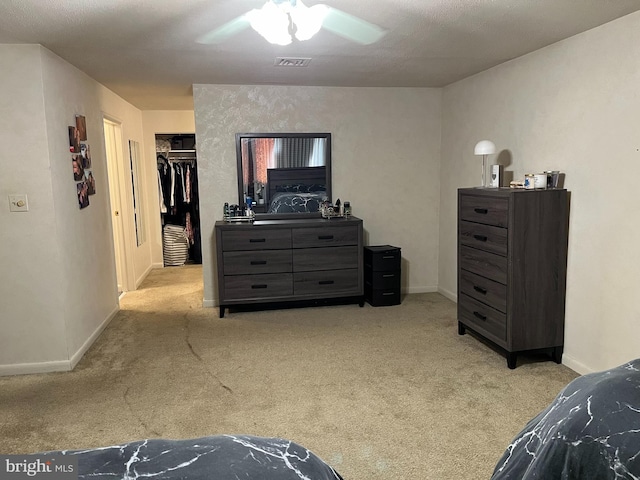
x=271, y=22
x=308, y=21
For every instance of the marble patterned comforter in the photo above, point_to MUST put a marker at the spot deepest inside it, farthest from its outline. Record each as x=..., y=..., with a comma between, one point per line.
x=217, y=457
x=590, y=431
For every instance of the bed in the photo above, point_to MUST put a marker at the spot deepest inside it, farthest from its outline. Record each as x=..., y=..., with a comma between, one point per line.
x=590, y=431
x=296, y=190
x=215, y=457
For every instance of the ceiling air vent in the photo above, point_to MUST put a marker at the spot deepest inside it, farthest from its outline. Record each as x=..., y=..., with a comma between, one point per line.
x=292, y=62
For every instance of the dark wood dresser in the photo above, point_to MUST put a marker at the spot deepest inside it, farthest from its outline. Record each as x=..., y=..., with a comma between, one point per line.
x=512, y=260
x=289, y=260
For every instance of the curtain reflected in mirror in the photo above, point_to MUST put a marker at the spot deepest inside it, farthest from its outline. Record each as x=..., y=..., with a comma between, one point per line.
x=136, y=185
x=259, y=155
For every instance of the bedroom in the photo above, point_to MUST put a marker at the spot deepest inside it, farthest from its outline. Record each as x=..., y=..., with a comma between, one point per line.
x=571, y=106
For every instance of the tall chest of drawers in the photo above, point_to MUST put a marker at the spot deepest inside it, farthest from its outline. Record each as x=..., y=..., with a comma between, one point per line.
x=289, y=260
x=512, y=258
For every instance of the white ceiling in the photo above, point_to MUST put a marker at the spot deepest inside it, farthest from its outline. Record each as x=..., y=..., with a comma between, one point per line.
x=145, y=50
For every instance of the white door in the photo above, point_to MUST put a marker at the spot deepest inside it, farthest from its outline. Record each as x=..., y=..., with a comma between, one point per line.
x=113, y=146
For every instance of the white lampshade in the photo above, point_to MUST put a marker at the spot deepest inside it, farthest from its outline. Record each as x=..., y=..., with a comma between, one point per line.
x=484, y=147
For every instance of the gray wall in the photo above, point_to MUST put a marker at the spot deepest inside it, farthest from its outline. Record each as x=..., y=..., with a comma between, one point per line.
x=573, y=106
x=385, y=160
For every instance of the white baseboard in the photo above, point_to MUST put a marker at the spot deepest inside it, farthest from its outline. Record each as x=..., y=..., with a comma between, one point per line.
x=76, y=357
x=576, y=366
x=144, y=275
x=41, y=367
x=422, y=289
x=206, y=303
x=58, y=365
x=446, y=293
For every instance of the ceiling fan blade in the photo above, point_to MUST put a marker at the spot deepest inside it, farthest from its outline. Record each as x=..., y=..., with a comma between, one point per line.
x=224, y=31
x=351, y=27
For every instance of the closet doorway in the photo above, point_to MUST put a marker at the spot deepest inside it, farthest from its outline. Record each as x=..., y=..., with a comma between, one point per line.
x=179, y=200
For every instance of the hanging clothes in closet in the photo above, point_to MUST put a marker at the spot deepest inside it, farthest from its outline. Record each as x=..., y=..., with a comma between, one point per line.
x=179, y=205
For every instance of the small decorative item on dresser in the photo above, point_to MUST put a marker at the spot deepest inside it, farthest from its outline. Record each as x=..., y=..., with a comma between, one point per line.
x=529, y=181
x=382, y=268
x=540, y=180
x=496, y=176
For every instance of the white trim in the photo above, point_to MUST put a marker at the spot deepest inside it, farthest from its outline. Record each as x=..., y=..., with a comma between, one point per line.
x=143, y=276
x=76, y=357
x=209, y=303
x=446, y=293
x=28, y=368
x=423, y=289
x=59, y=365
x=576, y=366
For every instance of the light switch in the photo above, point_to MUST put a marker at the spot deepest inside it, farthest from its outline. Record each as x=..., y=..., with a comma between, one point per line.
x=18, y=203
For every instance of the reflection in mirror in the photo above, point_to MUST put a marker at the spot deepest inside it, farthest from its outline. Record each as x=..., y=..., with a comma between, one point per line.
x=284, y=172
x=136, y=185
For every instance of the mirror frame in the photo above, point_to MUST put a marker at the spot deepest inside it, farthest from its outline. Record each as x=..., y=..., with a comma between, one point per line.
x=272, y=216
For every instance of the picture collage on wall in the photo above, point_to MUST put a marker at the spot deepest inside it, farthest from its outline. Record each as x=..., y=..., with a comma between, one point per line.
x=81, y=161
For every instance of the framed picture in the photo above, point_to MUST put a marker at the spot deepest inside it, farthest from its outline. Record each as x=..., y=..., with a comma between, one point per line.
x=83, y=194
x=81, y=126
x=86, y=155
x=74, y=140
x=78, y=169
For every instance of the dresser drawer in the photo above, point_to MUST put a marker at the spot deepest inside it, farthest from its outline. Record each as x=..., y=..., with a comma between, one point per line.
x=324, y=236
x=485, y=237
x=485, y=320
x=482, y=209
x=241, y=287
x=258, y=239
x=331, y=258
x=483, y=263
x=257, y=261
x=484, y=290
x=342, y=282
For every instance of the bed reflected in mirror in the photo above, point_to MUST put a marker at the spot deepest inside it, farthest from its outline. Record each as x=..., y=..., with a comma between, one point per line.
x=284, y=173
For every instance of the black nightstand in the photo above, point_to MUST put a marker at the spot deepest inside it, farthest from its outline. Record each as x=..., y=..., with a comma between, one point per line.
x=382, y=275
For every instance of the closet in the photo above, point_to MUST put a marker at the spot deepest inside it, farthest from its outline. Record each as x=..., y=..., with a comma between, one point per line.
x=179, y=200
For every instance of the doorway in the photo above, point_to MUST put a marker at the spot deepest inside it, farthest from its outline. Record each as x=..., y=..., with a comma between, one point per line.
x=113, y=147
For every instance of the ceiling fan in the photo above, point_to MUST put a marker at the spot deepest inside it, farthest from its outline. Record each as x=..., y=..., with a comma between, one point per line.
x=282, y=21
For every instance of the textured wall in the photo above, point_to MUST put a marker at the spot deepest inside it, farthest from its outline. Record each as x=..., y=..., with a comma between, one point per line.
x=385, y=160
x=574, y=107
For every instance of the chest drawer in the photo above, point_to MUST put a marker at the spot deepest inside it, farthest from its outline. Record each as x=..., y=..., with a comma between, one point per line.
x=482, y=209
x=258, y=286
x=485, y=237
x=486, y=320
x=484, y=290
x=382, y=258
x=331, y=282
x=256, y=261
x=324, y=236
x=332, y=258
x=484, y=263
x=256, y=239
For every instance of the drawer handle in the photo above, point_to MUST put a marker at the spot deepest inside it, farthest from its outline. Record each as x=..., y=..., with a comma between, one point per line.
x=386, y=294
x=386, y=257
x=325, y=237
x=262, y=285
x=483, y=211
x=258, y=262
x=480, y=289
x=388, y=275
x=479, y=315
x=482, y=238
x=326, y=282
x=257, y=240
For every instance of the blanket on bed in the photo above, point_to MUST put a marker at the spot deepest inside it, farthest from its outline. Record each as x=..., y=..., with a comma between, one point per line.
x=590, y=431
x=216, y=457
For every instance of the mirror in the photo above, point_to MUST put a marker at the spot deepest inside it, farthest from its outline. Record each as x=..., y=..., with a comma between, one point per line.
x=136, y=185
x=284, y=173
